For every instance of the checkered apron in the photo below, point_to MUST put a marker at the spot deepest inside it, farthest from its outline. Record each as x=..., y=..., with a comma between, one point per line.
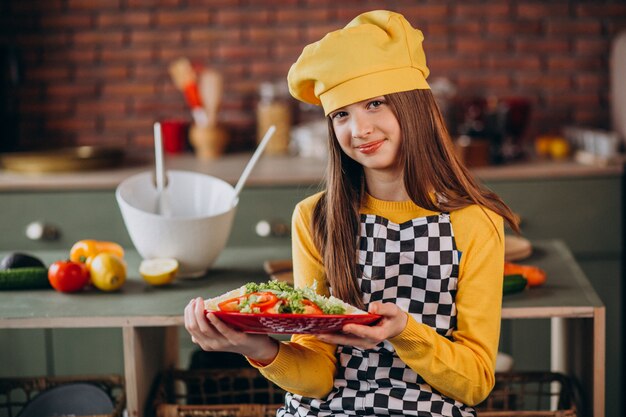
x=415, y=265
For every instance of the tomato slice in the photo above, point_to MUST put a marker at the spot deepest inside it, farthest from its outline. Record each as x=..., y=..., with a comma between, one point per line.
x=311, y=308
x=264, y=300
x=232, y=304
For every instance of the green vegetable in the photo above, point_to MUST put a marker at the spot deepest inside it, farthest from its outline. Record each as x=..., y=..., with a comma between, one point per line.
x=20, y=260
x=24, y=278
x=514, y=283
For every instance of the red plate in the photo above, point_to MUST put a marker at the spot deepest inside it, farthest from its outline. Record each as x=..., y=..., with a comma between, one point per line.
x=293, y=323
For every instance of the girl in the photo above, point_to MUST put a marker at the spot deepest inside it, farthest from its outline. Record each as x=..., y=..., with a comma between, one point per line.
x=402, y=230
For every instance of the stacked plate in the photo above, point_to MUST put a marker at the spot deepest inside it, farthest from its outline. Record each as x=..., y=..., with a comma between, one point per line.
x=516, y=248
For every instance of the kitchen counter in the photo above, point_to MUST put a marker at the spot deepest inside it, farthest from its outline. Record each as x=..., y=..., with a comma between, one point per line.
x=270, y=171
x=150, y=317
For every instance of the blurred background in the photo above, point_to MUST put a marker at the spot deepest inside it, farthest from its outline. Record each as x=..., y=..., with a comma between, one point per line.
x=85, y=72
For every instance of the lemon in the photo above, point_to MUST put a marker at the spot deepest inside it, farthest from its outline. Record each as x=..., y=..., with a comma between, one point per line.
x=159, y=271
x=108, y=271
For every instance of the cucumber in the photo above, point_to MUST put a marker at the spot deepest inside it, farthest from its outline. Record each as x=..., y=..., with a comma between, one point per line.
x=24, y=278
x=514, y=283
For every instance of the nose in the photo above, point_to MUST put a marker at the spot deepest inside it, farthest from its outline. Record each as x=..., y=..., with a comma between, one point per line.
x=361, y=126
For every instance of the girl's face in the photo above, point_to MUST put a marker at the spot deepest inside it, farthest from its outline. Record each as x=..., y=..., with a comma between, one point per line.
x=369, y=133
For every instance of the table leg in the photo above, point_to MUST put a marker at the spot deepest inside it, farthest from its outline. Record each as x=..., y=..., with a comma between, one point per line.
x=147, y=350
x=558, y=351
x=599, y=360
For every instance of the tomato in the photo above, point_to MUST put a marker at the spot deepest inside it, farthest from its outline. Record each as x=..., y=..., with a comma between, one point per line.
x=68, y=276
x=264, y=300
x=232, y=304
x=311, y=308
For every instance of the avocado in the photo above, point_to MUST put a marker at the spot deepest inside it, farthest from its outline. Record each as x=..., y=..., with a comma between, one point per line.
x=20, y=260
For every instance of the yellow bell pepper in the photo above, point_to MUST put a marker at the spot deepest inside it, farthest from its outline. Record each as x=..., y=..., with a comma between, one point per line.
x=85, y=250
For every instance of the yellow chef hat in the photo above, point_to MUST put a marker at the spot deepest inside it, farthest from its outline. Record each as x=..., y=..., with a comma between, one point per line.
x=377, y=53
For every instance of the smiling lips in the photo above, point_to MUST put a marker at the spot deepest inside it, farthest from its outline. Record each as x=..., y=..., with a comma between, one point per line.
x=370, y=147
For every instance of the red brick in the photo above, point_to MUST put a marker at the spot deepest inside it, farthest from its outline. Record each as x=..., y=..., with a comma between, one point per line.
x=47, y=73
x=70, y=123
x=166, y=105
x=513, y=29
x=110, y=38
x=572, y=99
x=420, y=15
x=589, y=82
x=125, y=18
x=541, y=45
x=151, y=3
x=542, y=81
x=182, y=18
x=491, y=82
x=543, y=9
x=568, y=27
x=240, y=52
x=597, y=47
x=221, y=3
x=103, y=107
x=52, y=39
x=573, y=64
x=72, y=20
x=209, y=34
x=513, y=63
x=19, y=7
x=138, y=124
x=156, y=36
x=148, y=72
x=60, y=90
x=118, y=55
x=197, y=54
x=289, y=16
x=469, y=10
x=604, y=10
x=273, y=34
x=128, y=89
x=93, y=4
x=103, y=72
x=448, y=64
x=241, y=17
x=47, y=108
x=468, y=45
x=586, y=116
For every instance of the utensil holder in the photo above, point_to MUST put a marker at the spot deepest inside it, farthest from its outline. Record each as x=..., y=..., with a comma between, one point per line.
x=208, y=142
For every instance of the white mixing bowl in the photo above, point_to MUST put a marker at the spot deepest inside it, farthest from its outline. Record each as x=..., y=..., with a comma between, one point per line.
x=193, y=226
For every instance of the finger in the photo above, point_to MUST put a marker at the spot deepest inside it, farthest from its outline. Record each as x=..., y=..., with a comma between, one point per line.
x=230, y=334
x=203, y=324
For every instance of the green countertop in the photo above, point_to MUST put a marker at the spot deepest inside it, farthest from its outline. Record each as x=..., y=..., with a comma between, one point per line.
x=566, y=293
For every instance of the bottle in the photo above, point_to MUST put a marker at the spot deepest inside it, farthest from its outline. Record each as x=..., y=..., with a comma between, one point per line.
x=273, y=109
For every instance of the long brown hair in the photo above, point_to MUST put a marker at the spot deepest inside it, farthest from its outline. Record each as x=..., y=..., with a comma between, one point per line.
x=430, y=164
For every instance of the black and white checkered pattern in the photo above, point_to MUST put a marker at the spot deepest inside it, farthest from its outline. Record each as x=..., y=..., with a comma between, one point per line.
x=415, y=265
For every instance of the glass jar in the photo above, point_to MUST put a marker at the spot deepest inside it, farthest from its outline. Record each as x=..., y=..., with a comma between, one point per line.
x=274, y=109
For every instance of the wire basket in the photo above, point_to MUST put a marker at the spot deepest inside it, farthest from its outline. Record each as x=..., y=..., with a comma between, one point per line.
x=536, y=394
x=246, y=393
x=240, y=392
x=15, y=393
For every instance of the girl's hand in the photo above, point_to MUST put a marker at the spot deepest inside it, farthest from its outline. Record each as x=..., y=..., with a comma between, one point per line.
x=211, y=334
x=390, y=325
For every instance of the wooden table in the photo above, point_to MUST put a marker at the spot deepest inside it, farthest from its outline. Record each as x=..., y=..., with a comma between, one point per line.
x=150, y=317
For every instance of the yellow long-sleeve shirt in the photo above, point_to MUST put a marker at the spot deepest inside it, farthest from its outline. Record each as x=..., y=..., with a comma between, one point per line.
x=461, y=368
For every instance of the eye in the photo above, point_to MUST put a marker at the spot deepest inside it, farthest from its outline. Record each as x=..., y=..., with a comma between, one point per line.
x=338, y=115
x=375, y=103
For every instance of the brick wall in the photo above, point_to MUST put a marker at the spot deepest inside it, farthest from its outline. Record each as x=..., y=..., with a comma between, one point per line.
x=96, y=70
